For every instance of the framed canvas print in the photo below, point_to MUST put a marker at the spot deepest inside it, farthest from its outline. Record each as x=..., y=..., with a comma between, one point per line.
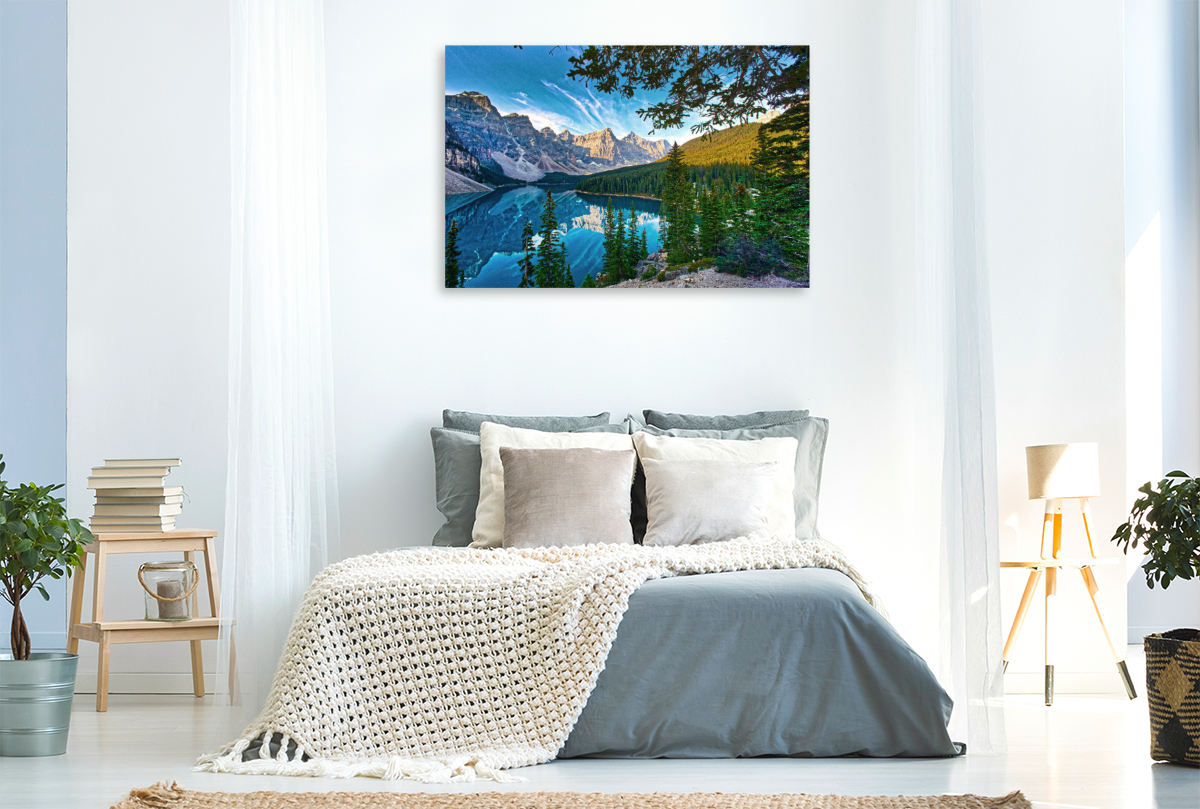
x=632, y=166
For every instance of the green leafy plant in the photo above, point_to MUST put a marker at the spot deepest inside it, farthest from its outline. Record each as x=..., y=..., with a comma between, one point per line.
x=1166, y=521
x=36, y=540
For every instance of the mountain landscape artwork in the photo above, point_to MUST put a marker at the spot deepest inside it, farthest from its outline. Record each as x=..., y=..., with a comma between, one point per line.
x=631, y=166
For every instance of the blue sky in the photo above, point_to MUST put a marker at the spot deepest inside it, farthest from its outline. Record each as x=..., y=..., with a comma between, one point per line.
x=534, y=82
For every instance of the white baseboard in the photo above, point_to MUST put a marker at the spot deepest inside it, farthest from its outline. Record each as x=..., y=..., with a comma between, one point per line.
x=45, y=641
x=144, y=683
x=1066, y=682
x=1136, y=633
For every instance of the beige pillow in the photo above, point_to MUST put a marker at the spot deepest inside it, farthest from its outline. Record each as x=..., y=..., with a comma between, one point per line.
x=690, y=502
x=489, y=514
x=781, y=515
x=566, y=496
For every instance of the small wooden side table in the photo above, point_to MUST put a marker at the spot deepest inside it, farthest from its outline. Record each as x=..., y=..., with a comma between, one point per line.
x=106, y=633
x=1051, y=567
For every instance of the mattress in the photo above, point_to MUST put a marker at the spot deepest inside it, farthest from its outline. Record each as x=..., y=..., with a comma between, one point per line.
x=760, y=663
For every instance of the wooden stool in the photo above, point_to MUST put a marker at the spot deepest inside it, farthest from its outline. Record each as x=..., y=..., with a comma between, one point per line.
x=106, y=633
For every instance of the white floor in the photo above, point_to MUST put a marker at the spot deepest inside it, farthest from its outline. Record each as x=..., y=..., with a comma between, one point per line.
x=1082, y=752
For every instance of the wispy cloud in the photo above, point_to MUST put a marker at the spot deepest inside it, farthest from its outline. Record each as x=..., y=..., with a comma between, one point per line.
x=538, y=116
x=589, y=108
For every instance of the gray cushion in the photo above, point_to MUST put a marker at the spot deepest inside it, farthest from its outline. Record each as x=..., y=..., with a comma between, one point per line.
x=463, y=420
x=685, y=421
x=811, y=433
x=695, y=501
x=566, y=497
x=456, y=463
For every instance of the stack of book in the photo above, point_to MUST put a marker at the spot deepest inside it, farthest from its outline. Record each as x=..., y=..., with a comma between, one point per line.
x=132, y=496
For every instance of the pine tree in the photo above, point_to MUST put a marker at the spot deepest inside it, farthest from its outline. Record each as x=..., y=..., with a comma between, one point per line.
x=454, y=275
x=675, y=177
x=620, y=259
x=631, y=241
x=780, y=161
x=610, y=247
x=711, y=225
x=741, y=208
x=685, y=232
x=548, y=253
x=642, y=251
x=588, y=282
x=678, y=208
x=527, y=268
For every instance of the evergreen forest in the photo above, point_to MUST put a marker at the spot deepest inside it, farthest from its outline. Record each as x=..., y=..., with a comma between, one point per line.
x=749, y=219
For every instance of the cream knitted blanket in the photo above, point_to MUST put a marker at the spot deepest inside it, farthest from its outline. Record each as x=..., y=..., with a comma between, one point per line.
x=447, y=666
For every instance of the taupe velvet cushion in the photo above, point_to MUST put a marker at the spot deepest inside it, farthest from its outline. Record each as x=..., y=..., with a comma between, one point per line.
x=566, y=497
x=689, y=502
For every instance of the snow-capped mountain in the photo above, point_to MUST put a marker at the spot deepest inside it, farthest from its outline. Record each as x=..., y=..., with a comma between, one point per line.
x=509, y=144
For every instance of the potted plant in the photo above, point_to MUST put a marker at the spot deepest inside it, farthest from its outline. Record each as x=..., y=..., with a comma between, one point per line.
x=1166, y=522
x=36, y=688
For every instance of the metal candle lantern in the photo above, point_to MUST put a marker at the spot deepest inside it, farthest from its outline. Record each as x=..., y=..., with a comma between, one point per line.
x=169, y=587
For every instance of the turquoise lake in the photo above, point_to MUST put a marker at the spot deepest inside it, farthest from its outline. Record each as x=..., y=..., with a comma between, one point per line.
x=490, y=226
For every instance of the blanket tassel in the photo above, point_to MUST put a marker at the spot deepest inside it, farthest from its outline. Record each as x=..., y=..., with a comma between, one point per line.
x=453, y=770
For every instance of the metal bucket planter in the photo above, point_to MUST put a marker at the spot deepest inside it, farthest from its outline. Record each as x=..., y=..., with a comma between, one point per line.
x=35, y=703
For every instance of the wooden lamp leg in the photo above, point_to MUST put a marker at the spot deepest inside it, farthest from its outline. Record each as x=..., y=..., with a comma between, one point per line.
x=1057, y=506
x=1051, y=605
x=1093, y=588
x=1035, y=576
x=1048, y=517
x=1086, y=512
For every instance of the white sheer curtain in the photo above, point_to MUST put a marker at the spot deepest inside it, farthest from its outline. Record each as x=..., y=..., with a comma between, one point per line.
x=957, y=428
x=281, y=508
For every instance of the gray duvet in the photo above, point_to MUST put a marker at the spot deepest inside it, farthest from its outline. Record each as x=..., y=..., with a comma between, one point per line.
x=760, y=663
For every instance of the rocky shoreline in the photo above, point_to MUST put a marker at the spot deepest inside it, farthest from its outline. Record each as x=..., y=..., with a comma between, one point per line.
x=707, y=278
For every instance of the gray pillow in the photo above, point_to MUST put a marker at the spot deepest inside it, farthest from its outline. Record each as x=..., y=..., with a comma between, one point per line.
x=463, y=420
x=684, y=421
x=695, y=501
x=565, y=497
x=456, y=464
x=811, y=433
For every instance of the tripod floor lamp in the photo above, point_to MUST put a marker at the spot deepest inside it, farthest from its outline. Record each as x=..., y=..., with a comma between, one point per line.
x=1059, y=472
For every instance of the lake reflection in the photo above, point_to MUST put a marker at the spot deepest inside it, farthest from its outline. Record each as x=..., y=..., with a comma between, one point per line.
x=489, y=230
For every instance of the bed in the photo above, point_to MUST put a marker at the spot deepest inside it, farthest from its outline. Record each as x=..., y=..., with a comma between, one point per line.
x=572, y=641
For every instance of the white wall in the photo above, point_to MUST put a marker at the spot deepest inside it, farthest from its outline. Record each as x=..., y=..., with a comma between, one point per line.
x=1162, y=241
x=405, y=347
x=145, y=92
x=148, y=247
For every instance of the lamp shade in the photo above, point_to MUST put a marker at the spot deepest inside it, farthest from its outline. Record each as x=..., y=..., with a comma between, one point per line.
x=1063, y=470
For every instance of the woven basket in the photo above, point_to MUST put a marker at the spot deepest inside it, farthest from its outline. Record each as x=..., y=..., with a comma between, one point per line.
x=1173, y=692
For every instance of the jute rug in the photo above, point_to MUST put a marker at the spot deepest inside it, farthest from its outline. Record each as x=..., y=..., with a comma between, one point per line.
x=162, y=796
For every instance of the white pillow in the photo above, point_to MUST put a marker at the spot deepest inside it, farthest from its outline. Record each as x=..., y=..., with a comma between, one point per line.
x=781, y=516
x=489, y=514
x=690, y=502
